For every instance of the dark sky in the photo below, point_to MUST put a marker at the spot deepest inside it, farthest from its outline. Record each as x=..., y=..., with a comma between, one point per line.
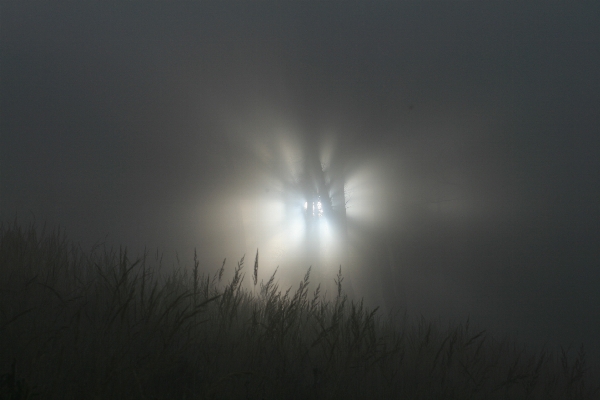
x=462, y=138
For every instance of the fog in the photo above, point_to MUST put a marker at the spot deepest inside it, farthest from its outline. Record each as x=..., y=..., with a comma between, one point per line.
x=444, y=155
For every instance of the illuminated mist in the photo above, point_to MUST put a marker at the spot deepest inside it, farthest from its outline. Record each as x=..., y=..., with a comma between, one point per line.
x=444, y=154
x=301, y=204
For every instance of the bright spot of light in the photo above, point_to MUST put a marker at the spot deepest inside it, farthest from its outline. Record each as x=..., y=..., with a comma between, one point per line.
x=316, y=208
x=367, y=195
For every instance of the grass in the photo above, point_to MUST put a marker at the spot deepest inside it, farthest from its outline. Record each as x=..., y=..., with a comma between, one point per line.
x=100, y=325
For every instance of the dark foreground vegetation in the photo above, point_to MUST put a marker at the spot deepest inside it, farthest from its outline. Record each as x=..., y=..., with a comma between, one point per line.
x=99, y=325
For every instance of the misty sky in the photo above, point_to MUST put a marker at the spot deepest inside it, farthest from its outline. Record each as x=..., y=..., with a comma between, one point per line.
x=458, y=143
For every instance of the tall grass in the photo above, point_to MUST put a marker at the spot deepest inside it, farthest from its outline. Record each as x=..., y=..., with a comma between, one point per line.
x=101, y=325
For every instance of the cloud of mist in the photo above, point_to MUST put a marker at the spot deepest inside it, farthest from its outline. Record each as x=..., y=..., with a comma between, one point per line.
x=460, y=150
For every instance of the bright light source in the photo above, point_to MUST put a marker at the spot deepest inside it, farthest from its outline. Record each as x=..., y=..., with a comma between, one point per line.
x=316, y=208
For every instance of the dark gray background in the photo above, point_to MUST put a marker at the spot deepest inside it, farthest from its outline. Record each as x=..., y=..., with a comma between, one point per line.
x=467, y=133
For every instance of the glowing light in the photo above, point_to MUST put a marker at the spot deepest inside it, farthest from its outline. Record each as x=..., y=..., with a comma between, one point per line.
x=290, y=195
x=316, y=208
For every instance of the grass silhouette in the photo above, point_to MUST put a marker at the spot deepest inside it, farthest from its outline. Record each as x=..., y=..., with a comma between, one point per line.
x=99, y=325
